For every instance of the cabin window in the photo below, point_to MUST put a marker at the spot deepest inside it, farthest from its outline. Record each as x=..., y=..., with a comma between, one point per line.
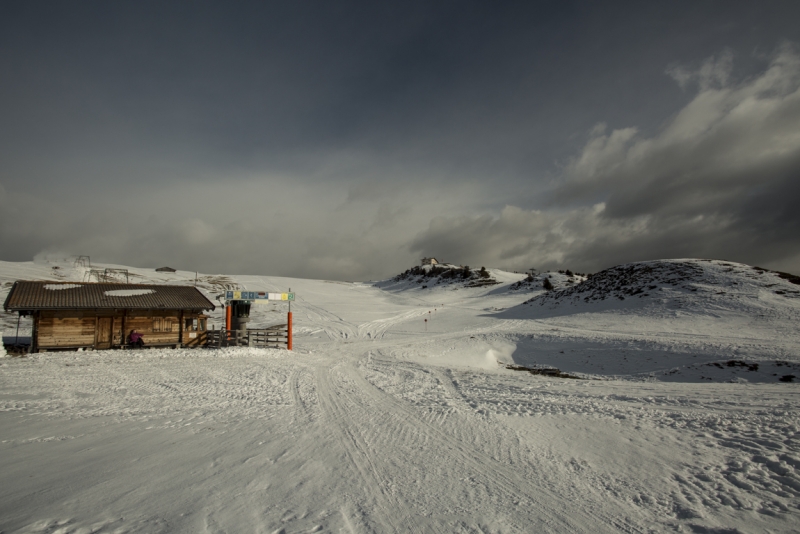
x=163, y=324
x=195, y=324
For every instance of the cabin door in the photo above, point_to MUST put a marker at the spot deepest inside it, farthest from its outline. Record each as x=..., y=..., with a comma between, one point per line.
x=195, y=331
x=103, y=334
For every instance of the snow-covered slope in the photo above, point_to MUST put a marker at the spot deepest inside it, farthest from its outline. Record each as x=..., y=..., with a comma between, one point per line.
x=699, y=285
x=398, y=411
x=557, y=280
x=670, y=320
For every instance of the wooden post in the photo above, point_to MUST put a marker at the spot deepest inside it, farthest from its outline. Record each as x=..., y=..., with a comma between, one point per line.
x=289, y=326
x=34, y=346
x=289, y=332
x=123, y=335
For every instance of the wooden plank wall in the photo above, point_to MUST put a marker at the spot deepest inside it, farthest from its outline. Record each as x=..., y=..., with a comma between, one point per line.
x=66, y=331
x=79, y=329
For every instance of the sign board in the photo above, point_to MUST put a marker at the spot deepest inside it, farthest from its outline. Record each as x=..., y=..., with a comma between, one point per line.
x=257, y=295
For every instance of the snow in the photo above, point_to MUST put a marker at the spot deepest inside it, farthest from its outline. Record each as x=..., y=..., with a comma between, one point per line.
x=128, y=292
x=59, y=287
x=381, y=422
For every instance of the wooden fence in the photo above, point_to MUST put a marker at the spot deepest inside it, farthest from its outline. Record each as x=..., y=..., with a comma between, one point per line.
x=277, y=336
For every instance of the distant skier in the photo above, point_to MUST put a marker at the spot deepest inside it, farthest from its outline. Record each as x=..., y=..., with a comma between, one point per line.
x=136, y=339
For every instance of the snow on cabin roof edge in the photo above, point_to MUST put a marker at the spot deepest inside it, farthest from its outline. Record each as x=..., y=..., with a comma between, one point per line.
x=36, y=295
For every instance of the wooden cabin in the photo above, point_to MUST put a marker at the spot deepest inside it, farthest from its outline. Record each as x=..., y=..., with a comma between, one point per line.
x=73, y=315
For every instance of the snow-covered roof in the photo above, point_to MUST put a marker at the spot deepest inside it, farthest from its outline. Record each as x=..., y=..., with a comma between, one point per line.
x=43, y=295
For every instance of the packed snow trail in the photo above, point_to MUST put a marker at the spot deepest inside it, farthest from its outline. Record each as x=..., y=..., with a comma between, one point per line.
x=384, y=456
x=375, y=426
x=241, y=440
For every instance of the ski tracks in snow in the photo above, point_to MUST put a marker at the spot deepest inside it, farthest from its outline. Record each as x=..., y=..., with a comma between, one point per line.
x=420, y=448
x=397, y=448
x=377, y=329
x=334, y=326
x=389, y=513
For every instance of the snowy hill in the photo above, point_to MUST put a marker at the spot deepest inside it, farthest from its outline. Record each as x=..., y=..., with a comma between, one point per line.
x=698, y=284
x=440, y=275
x=454, y=277
x=685, y=320
x=689, y=320
x=557, y=280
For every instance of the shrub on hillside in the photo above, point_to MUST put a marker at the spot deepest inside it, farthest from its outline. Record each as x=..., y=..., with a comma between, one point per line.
x=435, y=271
x=547, y=284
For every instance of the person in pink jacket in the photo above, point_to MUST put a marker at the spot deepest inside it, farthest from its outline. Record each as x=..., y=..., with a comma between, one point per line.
x=136, y=339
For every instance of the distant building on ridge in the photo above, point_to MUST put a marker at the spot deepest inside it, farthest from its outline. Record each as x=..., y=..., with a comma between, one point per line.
x=165, y=270
x=430, y=261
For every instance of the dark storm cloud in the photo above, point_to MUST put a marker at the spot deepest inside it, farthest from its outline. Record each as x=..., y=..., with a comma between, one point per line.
x=318, y=139
x=719, y=180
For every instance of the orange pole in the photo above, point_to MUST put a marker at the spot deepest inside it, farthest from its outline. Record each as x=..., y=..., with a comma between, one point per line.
x=228, y=317
x=289, y=331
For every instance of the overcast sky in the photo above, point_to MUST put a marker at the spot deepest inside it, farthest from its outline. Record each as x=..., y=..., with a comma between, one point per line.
x=346, y=140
